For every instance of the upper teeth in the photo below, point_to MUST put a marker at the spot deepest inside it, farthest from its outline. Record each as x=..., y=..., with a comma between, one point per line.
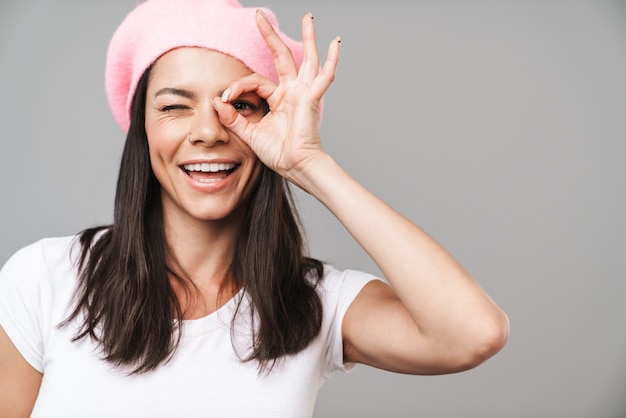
x=209, y=167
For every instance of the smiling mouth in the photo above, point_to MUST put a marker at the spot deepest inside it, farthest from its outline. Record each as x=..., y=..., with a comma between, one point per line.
x=209, y=172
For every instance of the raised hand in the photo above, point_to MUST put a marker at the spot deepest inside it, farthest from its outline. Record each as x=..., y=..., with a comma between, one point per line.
x=287, y=138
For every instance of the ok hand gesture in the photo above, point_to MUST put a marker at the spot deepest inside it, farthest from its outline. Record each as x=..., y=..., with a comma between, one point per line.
x=287, y=138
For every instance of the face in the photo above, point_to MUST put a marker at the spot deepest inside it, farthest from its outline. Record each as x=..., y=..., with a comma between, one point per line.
x=209, y=176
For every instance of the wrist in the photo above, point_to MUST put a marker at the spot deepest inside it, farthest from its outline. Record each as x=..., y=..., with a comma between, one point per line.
x=313, y=172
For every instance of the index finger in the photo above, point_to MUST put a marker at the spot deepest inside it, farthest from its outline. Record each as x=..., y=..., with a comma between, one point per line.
x=283, y=59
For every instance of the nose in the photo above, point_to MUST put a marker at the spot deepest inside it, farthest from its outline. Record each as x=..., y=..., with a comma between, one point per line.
x=206, y=128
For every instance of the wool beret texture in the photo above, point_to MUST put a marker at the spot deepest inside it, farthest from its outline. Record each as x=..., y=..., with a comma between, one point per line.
x=155, y=27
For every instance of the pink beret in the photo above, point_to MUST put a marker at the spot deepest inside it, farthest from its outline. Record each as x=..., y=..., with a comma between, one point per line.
x=155, y=27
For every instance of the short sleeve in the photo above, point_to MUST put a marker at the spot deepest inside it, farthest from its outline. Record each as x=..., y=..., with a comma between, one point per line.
x=21, y=281
x=340, y=288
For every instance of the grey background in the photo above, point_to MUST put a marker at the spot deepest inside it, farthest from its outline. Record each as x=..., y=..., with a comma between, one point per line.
x=498, y=126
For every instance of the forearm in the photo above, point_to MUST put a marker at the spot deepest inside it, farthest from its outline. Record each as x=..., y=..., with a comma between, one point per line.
x=445, y=302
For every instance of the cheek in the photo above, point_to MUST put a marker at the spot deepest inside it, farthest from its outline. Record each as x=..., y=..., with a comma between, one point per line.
x=163, y=129
x=157, y=163
x=161, y=150
x=156, y=147
x=163, y=140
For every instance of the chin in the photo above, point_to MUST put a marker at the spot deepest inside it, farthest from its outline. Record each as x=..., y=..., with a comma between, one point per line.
x=220, y=215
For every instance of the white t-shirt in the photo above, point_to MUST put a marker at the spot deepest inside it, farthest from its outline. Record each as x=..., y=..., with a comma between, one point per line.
x=204, y=378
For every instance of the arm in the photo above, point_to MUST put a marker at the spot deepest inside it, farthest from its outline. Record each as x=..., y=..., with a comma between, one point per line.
x=19, y=381
x=435, y=318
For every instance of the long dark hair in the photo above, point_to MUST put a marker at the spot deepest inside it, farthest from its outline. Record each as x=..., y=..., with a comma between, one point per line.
x=125, y=299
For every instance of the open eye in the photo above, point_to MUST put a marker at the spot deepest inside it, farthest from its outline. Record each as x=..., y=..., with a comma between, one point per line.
x=245, y=108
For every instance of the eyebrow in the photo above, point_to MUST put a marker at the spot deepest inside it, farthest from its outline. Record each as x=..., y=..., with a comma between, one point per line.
x=178, y=92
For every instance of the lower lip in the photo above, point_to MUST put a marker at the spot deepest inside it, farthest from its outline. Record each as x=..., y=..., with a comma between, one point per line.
x=215, y=185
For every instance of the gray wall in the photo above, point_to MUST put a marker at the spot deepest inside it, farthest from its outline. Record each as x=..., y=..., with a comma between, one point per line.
x=498, y=126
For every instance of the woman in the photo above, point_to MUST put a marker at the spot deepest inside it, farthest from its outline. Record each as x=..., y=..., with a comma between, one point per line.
x=199, y=300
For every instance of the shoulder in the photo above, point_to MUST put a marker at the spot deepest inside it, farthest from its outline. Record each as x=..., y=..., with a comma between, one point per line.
x=36, y=284
x=33, y=262
x=43, y=251
x=339, y=288
x=337, y=281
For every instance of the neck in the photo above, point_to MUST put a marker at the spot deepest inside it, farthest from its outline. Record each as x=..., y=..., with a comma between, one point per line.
x=201, y=253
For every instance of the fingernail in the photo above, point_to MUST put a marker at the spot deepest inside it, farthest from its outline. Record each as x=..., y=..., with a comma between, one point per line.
x=311, y=15
x=226, y=95
x=263, y=14
x=338, y=39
